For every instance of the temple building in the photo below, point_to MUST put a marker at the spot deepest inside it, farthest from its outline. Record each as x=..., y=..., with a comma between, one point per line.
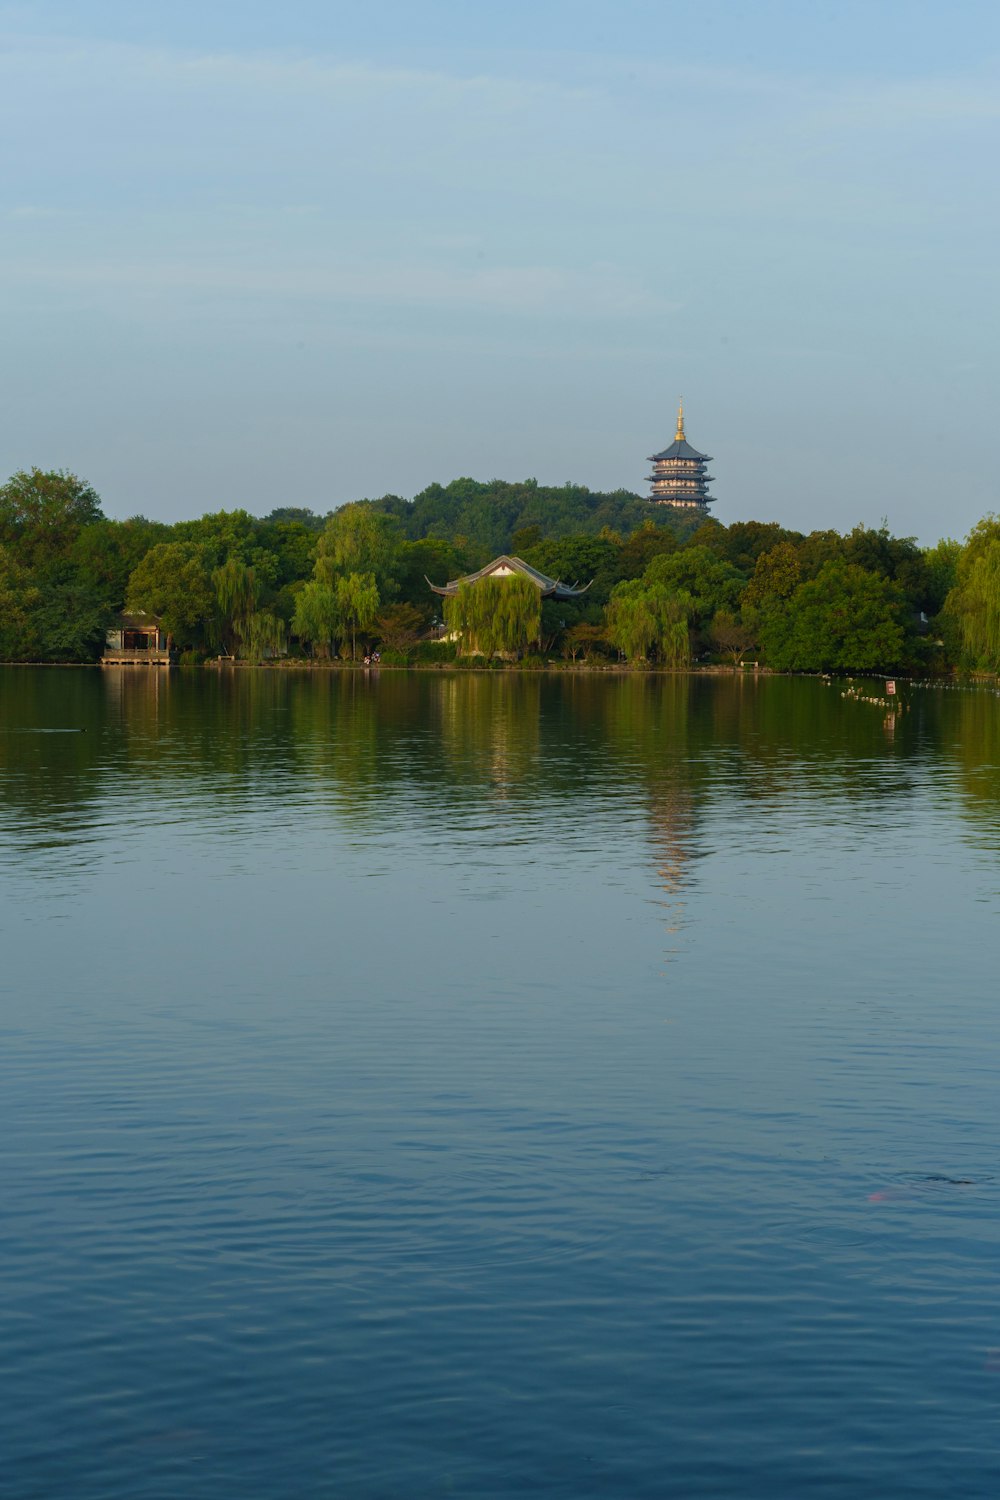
x=678, y=476
x=503, y=567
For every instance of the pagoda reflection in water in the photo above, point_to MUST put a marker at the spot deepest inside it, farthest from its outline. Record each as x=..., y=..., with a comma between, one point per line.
x=678, y=476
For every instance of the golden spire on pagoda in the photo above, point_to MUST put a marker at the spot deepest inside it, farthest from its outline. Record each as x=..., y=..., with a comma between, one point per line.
x=679, y=434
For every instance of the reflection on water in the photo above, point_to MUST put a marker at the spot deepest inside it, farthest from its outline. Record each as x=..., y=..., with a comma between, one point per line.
x=567, y=752
x=458, y=1083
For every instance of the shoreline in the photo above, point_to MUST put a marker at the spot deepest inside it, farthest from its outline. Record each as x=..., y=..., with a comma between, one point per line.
x=549, y=668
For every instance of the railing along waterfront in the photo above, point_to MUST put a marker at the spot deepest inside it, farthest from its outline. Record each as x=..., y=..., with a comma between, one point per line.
x=152, y=655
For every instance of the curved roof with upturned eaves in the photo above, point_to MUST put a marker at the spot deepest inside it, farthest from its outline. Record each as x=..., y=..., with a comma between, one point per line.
x=679, y=448
x=550, y=588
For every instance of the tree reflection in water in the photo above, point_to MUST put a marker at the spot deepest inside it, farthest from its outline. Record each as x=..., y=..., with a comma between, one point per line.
x=553, y=755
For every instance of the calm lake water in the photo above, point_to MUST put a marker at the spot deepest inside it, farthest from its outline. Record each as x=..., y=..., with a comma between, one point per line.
x=439, y=1085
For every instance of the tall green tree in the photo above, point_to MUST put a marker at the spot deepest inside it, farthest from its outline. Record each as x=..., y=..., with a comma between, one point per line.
x=844, y=619
x=105, y=553
x=631, y=618
x=317, y=617
x=941, y=562
x=261, y=635
x=428, y=558
x=19, y=600
x=710, y=583
x=731, y=635
x=222, y=534
x=70, y=623
x=173, y=583
x=896, y=557
x=776, y=575
x=676, y=613
x=237, y=593
x=292, y=544
x=644, y=613
x=585, y=559
x=974, y=601
x=637, y=551
x=817, y=549
x=399, y=627
x=495, y=616
x=357, y=603
x=358, y=540
x=42, y=512
x=742, y=543
x=63, y=612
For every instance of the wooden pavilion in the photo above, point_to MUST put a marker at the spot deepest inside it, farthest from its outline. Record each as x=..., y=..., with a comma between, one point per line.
x=137, y=640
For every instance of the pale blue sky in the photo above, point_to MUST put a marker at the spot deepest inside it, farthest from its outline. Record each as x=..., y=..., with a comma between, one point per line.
x=257, y=254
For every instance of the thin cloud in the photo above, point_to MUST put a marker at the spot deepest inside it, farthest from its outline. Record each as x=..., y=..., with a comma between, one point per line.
x=533, y=290
x=281, y=72
x=857, y=101
x=28, y=211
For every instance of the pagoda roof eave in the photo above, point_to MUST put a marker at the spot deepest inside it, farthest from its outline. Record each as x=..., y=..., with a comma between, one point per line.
x=680, y=450
x=135, y=619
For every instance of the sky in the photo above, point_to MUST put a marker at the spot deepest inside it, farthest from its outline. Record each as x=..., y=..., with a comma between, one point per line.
x=255, y=254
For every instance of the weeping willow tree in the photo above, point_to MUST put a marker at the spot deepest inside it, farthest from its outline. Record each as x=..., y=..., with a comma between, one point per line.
x=631, y=619
x=317, y=615
x=357, y=603
x=674, y=643
x=262, y=634
x=237, y=593
x=495, y=616
x=329, y=608
x=974, y=603
x=642, y=615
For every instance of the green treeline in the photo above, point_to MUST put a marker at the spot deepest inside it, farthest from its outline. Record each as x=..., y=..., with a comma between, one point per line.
x=663, y=588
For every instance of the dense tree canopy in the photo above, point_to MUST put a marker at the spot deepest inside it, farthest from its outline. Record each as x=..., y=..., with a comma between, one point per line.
x=19, y=600
x=41, y=516
x=776, y=575
x=487, y=515
x=592, y=560
x=709, y=583
x=359, y=540
x=845, y=618
x=174, y=583
x=417, y=562
x=661, y=586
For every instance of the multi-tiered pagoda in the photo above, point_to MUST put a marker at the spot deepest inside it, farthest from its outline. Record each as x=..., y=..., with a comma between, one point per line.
x=678, y=476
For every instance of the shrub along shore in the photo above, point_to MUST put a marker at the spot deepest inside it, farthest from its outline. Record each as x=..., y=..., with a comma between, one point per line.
x=666, y=592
